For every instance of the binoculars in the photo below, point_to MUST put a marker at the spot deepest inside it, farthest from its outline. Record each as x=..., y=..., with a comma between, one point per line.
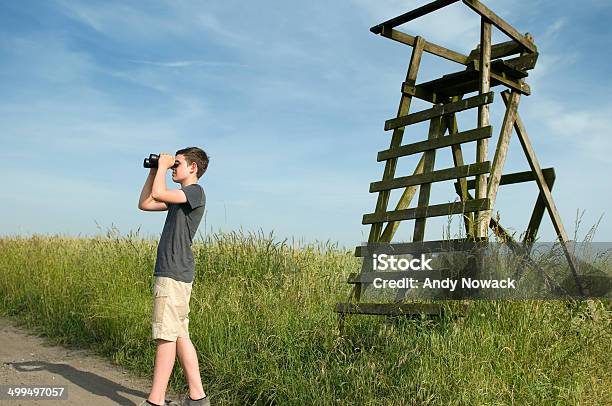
x=152, y=160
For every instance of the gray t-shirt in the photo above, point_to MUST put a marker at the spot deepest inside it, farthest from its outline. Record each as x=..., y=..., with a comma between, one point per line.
x=174, y=255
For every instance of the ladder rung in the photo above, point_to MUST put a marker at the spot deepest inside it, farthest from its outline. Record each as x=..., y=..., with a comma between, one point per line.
x=440, y=110
x=434, y=176
x=418, y=247
x=518, y=177
x=428, y=211
x=440, y=142
x=391, y=309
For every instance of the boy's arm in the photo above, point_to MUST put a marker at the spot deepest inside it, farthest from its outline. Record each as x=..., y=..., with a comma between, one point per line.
x=160, y=192
x=146, y=201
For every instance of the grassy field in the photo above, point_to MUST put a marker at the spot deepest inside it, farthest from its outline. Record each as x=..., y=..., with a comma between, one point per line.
x=262, y=321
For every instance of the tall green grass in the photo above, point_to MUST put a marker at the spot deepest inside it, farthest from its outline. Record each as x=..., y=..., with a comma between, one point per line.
x=262, y=322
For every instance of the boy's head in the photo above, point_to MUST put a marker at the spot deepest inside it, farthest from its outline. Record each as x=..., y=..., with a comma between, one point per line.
x=193, y=161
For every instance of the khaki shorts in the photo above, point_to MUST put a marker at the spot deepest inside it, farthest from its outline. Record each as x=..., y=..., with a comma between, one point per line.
x=170, y=308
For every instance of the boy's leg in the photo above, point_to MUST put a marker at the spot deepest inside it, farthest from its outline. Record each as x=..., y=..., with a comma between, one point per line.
x=164, y=362
x=189, y=361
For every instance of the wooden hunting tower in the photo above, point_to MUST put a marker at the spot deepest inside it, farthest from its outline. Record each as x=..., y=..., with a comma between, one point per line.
x=486, y=67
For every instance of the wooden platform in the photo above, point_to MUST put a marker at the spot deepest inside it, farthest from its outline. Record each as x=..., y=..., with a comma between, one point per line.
x=467, y=81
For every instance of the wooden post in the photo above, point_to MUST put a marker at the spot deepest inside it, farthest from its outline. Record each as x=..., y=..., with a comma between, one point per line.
x=502, y=148
x=483, y=121
x=396, y=139
x=468, y=218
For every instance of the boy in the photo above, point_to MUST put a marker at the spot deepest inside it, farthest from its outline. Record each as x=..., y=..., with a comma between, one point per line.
x=174, y=268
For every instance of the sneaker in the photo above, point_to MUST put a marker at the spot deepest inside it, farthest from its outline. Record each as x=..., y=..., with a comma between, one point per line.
x=166, y=403
x=188, y=402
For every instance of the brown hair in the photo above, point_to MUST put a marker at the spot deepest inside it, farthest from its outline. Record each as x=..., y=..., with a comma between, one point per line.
x=197, y=155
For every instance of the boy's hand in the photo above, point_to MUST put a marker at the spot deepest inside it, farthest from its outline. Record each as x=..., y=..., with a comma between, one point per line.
x=165, y=161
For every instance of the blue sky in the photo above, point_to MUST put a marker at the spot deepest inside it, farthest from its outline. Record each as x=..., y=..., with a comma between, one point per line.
x=289, y=100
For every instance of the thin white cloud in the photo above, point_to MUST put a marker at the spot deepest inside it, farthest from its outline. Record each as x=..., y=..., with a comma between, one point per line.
x=179, y=21
x=186, y=63
x=116, y=19
x=58, y=94
x=553, y=31
x=581, y=130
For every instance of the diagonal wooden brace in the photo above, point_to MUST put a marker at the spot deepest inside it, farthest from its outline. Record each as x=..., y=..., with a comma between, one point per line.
x=501, y=150
x=545, y=191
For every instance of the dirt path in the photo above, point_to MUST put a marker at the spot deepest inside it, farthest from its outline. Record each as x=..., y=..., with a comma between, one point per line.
x=26, y=359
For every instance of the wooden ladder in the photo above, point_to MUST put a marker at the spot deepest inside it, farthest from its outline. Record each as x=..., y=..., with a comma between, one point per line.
x=485, y=68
